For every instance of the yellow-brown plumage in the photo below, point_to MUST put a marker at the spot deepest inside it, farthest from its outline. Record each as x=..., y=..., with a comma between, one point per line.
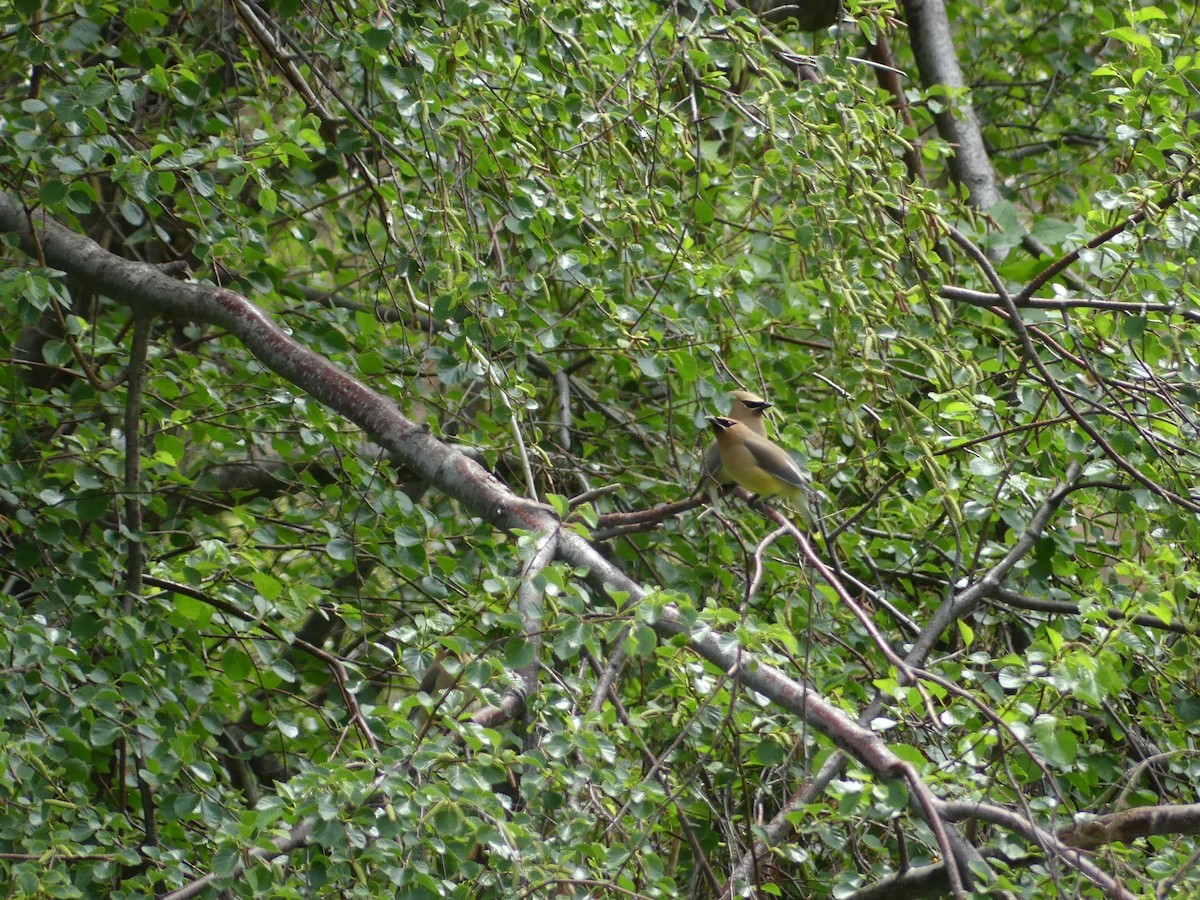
x=748, y=409
x=758, y=464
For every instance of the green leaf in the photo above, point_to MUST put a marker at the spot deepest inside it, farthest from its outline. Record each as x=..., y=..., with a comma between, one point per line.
x=269, y=587
x=52, y=192
x=518, y=653
x=340, y=549
x=641, y=641
x=1059, y=745
x=236, y=664
x=651, y=366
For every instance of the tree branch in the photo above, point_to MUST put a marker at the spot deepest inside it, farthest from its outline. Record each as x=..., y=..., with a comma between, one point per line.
x=148, y=290
x=933, y=47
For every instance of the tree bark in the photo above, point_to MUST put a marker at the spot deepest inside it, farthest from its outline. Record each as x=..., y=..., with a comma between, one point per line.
x=933, y=49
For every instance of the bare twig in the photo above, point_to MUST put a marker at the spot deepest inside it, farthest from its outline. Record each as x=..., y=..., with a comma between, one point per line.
x=529, y=607
x=296, y=838
x=986, y=301
x=1177, y=193
x=611, y=525
x=563, y=382
x=956, y=606
x=1009, y=305
x=342, y=678
x=145, y=288
x=755, y=581
x=958, y=810
x=136, y=384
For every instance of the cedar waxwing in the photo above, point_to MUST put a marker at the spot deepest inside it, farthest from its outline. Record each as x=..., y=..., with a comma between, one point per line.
x=748, y=409
x=759, y=465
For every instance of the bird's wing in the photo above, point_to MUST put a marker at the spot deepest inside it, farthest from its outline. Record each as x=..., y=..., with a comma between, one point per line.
x=779, y=464
x=712, y=462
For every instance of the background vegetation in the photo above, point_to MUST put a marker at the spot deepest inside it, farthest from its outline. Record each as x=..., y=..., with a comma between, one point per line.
x=550, y=239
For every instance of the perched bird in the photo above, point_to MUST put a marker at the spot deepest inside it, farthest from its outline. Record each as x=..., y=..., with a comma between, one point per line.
x=748, y=409
x=759, y=465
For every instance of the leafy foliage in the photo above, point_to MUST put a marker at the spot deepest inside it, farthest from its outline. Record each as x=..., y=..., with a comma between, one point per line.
x=558, y=236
